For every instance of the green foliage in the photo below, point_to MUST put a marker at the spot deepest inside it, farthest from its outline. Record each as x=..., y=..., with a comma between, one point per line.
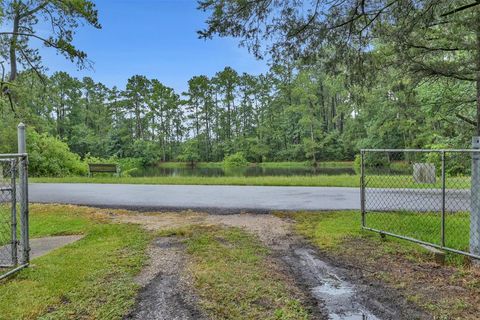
x=65, y=16
x=147, y=151
x=49, y=156
x=357, y=163
x=455, y=163
x=235, y=160
x=190, y=152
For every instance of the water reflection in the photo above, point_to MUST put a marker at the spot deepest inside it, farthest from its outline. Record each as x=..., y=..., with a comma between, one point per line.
x=239, y=172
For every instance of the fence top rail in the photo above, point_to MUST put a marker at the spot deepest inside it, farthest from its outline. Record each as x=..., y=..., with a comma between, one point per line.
x=420, y=150
x=13, y=155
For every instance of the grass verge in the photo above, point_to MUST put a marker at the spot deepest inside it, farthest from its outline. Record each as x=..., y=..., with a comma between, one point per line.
x=307, y=181
x=234, y=277
x=336, y=181
x=89, y=279
x=447, y=292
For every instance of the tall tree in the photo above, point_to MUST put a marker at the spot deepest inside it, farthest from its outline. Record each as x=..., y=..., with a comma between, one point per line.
x=430, y=38
x=62, y=17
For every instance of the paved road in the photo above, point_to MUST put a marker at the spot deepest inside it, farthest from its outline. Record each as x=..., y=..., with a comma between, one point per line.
x=236, y=198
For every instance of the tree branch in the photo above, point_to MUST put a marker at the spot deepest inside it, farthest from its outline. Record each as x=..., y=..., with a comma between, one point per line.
x=35, y=68
x=32, y=36
x=465, y=7
x=467, y=120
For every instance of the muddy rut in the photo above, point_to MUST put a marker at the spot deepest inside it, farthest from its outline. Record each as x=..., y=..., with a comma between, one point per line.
x=334, y=291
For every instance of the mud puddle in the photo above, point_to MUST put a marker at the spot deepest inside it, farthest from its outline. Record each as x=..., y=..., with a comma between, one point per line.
x=166, y=290
x=337, y=296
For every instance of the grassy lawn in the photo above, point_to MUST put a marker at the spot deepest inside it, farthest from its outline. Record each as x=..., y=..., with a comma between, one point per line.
x=89, y=279
x=312, y=181
x=425, y=226
x=234, y=278
x=334, y=181
x=329, y=229
x=401, y=264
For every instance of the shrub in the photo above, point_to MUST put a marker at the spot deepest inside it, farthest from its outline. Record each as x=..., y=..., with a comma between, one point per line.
x=148, y=151
x=377, y=160
x=235, y=160
x=357, y=163
x=189, y=152
x=49, y=156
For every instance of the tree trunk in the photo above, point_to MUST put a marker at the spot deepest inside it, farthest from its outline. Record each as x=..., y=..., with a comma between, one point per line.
x=13, y=46
x=477, y=133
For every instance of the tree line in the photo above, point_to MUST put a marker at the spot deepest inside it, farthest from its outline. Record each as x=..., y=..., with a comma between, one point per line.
x=270, y=117
x=295, y=112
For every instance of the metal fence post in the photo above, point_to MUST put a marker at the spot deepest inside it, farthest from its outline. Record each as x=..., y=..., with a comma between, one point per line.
x=23, y=183
x=13, y=165
x=443, y=199
x=475, y=200
x=362, y=187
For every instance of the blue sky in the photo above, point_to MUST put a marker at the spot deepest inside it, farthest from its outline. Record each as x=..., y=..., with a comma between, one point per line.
x=155, y=38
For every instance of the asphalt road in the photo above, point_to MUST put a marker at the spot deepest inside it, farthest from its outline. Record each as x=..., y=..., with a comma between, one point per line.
x=247, y=198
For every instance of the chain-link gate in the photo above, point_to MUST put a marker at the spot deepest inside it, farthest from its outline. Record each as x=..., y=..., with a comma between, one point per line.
x=14, y=242
x=426, y=196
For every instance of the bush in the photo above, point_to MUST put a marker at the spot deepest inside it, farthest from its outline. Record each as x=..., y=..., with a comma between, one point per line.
x=49, y=156
x=372, y=160
x=148, y=151
x=235, y=160
x=357, y=163
x=189, y=152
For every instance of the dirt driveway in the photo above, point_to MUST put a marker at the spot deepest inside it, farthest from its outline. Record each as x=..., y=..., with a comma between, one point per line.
x=331, y=290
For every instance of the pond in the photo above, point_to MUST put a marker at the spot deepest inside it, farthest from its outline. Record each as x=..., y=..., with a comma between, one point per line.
x=240, y=172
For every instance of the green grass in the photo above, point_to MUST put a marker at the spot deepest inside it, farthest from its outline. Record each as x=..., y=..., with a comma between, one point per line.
x=234, y=279
x=286, y=164
x=425, y=226
x=337, y=181
x=328, y=230
x=89, y=279
x=317, y=181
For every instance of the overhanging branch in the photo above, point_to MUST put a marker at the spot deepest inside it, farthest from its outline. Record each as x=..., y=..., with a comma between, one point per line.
x=465, y=7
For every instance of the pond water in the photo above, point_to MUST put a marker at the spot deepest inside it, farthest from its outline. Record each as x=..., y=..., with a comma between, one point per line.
x=239, y=172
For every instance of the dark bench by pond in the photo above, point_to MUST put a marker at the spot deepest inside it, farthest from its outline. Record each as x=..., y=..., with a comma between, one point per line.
x=103, y=168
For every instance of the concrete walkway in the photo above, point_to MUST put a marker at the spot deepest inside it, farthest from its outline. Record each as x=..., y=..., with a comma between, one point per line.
x=39, y=246
x=226, y=199
x=42, y=246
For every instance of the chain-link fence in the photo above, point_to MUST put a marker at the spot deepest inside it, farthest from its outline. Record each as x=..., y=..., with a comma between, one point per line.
x=426, y=196
x=14, y=243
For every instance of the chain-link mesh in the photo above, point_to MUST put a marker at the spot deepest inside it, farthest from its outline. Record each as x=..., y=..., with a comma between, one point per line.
x=424, y=195
x=13, y=213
